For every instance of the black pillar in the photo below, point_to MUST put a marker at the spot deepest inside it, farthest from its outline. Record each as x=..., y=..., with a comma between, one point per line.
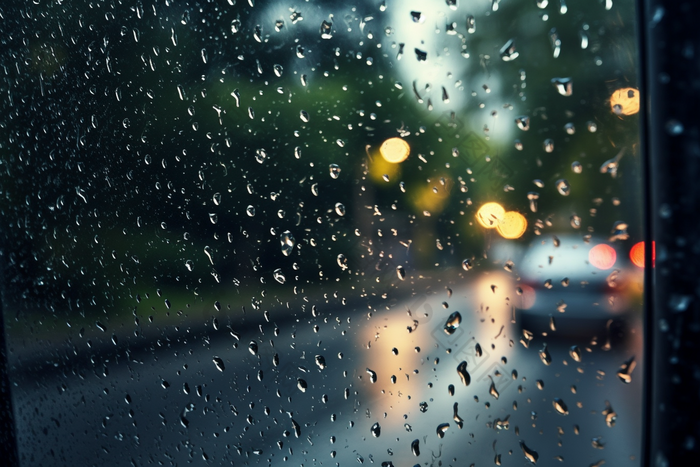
x=670, y=59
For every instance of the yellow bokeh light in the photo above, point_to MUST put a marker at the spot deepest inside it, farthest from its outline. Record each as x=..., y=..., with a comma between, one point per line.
x=379, y=168
x=490, y=215
x=512, y=225
x=625, y=101
x=395, y=150
x=432, y=197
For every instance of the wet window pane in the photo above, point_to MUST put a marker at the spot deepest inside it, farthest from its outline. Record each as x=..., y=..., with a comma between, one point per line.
x=322, y=232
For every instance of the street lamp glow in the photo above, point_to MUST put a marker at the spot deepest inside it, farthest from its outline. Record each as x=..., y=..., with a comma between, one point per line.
x=490, y=214
x=395, y=150
x=513, y=225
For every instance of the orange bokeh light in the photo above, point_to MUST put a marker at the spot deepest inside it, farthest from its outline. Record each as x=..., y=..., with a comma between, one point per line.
x=512, y=225
x=637, y=254
x=602, y=256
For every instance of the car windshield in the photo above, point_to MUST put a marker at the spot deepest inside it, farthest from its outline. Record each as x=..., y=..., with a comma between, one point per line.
x=266, y=232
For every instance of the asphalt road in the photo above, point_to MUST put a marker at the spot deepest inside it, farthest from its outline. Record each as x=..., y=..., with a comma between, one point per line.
x=211, y=398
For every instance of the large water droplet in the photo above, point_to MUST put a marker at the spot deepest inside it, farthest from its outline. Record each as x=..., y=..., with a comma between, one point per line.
x=508, y=52
x=545, y=356
x=400, y=272
x=560, y=406
x=415, y=447
x=625, y=371
x=376, y=430
x=530, y=454
x=523, y=122
x=287, y=242
x=442, y=429
x=563, y=187
x=372, y=375
x=326, y=30
x=253, y=348
x=463, y=373
x=340, y=209
x=279, y=276
x=452, y=323
x=564, y=86
x=471, y=24
x=334, y=171
x=219, y=364
x=575, y=353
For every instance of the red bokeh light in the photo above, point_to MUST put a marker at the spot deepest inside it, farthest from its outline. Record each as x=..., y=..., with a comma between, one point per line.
x=637, y=254
x=602, y=256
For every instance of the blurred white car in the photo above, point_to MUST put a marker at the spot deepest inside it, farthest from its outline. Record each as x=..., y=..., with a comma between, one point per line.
x=571, y=286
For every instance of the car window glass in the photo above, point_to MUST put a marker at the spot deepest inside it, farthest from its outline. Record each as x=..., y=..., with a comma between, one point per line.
x=322, y=232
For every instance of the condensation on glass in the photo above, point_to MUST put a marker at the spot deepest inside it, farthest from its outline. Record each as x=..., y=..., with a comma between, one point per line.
x=311, y=233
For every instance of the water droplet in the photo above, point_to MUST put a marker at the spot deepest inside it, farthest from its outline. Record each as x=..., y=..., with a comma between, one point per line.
x=575, y=353
x=219, y=364
x=564, y=86
x=548, y=145
x=287, y=242
x=334, y=171
x=492, y=389
x=467, y=264
x=253, y=348
x=189, y=264
x=560, y=406
x=304, y=116
x=417, y=17
x=523, y=122
x=279, y=276
x=342, y=261
x=372, y=376
x=278, y=70
x=250, y=210
x=376, y=430
x=576, y=167
x=555, y=41
x=609, y=414
x=400, y=272
x=452, y=323
x=508, y=52
x=471, y=24
x=442, y=429
x=326, y=30
x=625, y=371
x=421, y=55
x=570, y=128
x=563, y=187
x=452, y=4
x=217, y=198
x=415, y=447
x=340, y=209
x=545, y=356
x=463, y=373
x=257, y=33
x=320, y=362
x=530, y=454
x=301, y=385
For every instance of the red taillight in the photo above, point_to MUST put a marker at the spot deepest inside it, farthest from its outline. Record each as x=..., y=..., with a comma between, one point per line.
x=637, y=254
